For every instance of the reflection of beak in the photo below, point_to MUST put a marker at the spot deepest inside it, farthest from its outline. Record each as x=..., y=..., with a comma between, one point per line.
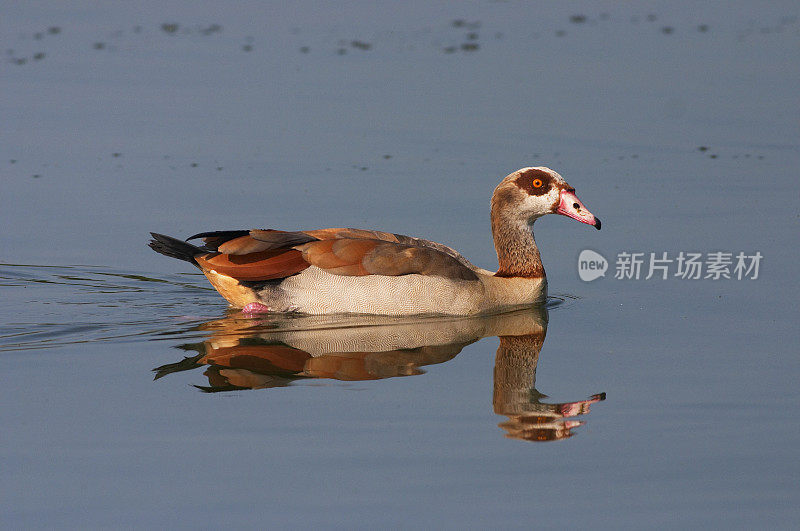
x=572, y=207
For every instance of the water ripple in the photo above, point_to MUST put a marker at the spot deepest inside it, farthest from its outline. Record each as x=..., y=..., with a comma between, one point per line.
x=52, y=306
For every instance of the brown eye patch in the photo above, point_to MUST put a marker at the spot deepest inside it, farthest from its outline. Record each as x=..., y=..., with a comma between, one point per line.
x=535, y=182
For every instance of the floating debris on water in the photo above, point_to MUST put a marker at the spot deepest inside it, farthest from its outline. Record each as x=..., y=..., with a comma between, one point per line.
x=577, y=19
x=461, y=23
x=169, y=27
x=469, y=46
x=667, y=30
x=54, y=30
x=38, y=56
x=360, y=45
x=99, y=45
x=213, y=28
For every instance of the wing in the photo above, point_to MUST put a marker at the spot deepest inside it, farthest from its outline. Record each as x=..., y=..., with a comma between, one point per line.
x=242, y=242
x=377, y=257
x=262, y=265
x=325, y=234
x=270, y=254
x=253, y=255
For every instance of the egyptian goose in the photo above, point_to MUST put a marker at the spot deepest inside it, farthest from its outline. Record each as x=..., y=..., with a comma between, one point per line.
x=330, y=271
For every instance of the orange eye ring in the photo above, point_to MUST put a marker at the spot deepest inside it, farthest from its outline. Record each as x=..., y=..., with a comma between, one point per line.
x=537, y=183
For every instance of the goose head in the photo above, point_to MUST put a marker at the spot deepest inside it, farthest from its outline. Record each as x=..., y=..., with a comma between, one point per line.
x=530, y=193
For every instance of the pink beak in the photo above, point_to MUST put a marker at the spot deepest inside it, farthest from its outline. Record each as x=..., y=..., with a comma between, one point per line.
x=572, y=207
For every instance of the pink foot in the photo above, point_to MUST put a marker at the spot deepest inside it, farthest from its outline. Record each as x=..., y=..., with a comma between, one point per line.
x=255, y=308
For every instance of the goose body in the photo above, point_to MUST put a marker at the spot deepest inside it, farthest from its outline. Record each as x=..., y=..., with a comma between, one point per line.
x=329, y=271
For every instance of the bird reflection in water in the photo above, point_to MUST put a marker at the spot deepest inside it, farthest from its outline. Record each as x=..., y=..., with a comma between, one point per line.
x=516, y=397
x=274, y=351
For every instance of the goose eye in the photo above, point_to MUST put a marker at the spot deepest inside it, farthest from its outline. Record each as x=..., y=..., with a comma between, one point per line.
x=537, y=183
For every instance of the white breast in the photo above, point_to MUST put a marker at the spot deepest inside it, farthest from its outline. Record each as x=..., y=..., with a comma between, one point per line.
x=315, y=291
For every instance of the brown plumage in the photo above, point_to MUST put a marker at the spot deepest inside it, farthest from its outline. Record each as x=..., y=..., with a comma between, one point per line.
x=379, y=257
x=262, y=265
x=260, y=255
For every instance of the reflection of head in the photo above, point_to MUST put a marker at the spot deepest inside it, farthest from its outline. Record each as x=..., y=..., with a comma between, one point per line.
x=538, y=429
x=515, y=393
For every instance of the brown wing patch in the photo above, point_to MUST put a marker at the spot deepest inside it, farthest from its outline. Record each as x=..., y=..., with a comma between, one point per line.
x=351, y=251
x=362, y=234
x=264, y=265
x=339, y=257
x=242, y=245
x=341, y=251
x=379, y=257
x=397, y=259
